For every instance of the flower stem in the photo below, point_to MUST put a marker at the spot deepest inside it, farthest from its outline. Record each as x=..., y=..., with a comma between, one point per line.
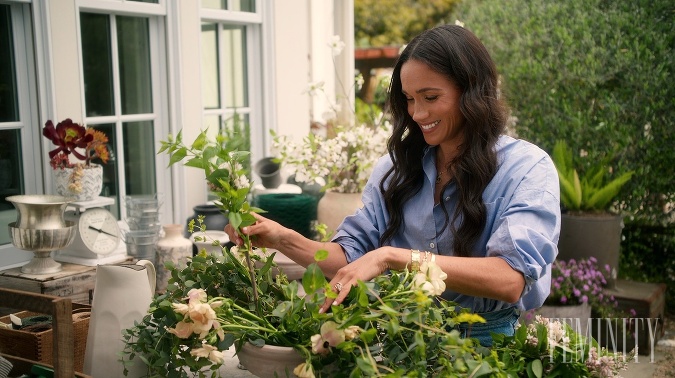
x=251, y=271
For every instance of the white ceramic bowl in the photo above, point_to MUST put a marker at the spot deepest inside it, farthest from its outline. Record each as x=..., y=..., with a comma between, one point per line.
x=210, y=236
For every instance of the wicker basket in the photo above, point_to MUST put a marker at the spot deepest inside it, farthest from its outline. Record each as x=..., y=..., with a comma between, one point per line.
x=38, y=346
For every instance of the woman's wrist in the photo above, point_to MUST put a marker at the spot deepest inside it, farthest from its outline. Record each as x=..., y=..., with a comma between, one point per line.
x=415, y=260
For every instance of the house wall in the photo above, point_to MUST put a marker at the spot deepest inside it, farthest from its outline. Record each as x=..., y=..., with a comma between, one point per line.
x=296, y=34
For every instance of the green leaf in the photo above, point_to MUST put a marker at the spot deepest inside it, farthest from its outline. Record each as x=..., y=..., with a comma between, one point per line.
x=178, y=156
x=235, y=219
x=200, y=142
x=313, y=278
x=483, y=370
x=570, y=191
x=535, y=369
x=603, y=196
x=320, y=255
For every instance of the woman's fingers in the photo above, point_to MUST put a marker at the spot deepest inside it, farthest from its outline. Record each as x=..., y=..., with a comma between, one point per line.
x=342, y=290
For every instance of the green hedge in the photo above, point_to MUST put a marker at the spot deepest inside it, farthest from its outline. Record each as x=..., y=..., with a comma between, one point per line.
x=648, y=255
x=598, y=74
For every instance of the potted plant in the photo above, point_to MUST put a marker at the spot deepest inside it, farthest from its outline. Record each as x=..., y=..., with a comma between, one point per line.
x=340, y=163
x=82, y=180
x=577, y=292
x=338, y=155
x=590, y=225
x=395, y=324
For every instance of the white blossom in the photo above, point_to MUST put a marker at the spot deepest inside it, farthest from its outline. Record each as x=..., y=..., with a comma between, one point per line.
x=336, y=45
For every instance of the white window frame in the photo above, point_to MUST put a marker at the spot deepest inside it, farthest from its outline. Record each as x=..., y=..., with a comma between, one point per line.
x=23, y=41
x=159, y=117
x=259, y=42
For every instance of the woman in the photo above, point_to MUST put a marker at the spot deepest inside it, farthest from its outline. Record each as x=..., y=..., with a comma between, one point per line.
x=486, y=206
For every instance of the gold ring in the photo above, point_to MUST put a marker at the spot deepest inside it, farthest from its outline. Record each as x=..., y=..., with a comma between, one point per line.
x=338, y=287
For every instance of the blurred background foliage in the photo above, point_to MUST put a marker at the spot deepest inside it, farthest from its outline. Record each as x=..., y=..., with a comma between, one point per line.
x=395, y=22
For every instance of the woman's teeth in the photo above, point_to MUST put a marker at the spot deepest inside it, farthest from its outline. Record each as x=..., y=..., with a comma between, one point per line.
x=429, y=126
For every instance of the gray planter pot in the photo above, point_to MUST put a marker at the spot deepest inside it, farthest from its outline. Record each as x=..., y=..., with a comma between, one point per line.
x=576, y=316
x=592, y=235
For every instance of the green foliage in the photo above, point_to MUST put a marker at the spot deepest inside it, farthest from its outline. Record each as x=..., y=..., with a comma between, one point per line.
x=648, y=255
x=593, y=192
x=595, y=73
x=386, y=327
x=237, y=131
x=221, y=276
x=547, y=348
x=223, y=164
x=395, y=22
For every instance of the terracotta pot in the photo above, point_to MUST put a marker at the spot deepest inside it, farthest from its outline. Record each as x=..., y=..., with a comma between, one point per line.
x=334, y=207
x=90, y=183
x=269, y=361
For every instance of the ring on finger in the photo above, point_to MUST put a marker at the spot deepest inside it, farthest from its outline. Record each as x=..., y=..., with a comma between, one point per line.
x=338, y=287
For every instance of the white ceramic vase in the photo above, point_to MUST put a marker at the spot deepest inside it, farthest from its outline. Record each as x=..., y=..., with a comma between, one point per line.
x=90, y=183
x=269, y=361
x=334, y=207
x=173, y=247
x=122, y=296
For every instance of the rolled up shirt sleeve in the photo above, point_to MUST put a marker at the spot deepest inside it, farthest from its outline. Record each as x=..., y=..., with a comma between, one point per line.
x=527, y=231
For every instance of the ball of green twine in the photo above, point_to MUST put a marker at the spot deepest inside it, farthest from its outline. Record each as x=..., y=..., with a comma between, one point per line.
x=295, y=211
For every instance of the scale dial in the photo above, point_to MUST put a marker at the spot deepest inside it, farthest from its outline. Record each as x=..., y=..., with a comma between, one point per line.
x=99, y=231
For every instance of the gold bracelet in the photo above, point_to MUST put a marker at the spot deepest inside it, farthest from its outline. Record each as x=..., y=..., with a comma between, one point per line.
x=414, y=260
x=427, y=256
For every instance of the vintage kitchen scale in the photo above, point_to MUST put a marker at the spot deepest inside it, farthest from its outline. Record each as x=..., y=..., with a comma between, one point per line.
x=98, y=239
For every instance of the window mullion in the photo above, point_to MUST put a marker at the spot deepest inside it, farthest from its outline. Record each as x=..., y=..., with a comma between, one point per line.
x=26, y=107
x=117, y=100
x=222, y=77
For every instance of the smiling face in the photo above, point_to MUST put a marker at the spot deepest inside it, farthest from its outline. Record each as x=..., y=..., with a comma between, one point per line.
x=433, y=103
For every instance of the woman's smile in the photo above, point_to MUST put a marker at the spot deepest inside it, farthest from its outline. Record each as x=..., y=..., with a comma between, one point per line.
x=429, y=126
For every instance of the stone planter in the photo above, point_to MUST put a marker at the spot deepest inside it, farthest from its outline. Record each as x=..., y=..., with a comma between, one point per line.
x=577, y=316
x=592, y=235
x=269, y=361
x=334, y=207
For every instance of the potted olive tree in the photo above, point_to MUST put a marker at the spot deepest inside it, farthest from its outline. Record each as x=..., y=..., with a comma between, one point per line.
x=591, y=226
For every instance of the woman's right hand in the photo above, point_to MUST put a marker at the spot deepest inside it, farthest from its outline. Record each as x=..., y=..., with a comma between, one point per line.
x=263, y=233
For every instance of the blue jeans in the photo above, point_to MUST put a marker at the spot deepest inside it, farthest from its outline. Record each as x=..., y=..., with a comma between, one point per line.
x=500, y=321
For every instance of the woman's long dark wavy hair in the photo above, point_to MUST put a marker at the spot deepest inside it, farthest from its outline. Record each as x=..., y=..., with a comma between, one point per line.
x=458, y=54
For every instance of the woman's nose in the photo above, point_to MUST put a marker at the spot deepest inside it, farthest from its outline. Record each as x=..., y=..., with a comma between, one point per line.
x=418, y=112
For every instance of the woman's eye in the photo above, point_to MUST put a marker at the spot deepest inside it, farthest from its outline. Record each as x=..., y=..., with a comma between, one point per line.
x=430, y=98
x=409, y=99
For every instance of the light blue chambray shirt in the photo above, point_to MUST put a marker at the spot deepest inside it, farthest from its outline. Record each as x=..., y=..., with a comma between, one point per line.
x=523, y=220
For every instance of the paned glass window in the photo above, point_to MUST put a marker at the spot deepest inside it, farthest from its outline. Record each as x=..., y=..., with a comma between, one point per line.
x=225, y=73
x=19, y=133
x=234, y=5
x=11, y=182
x=119, y=100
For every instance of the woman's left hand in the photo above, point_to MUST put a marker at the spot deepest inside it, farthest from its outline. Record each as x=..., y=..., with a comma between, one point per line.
x=364, y=268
